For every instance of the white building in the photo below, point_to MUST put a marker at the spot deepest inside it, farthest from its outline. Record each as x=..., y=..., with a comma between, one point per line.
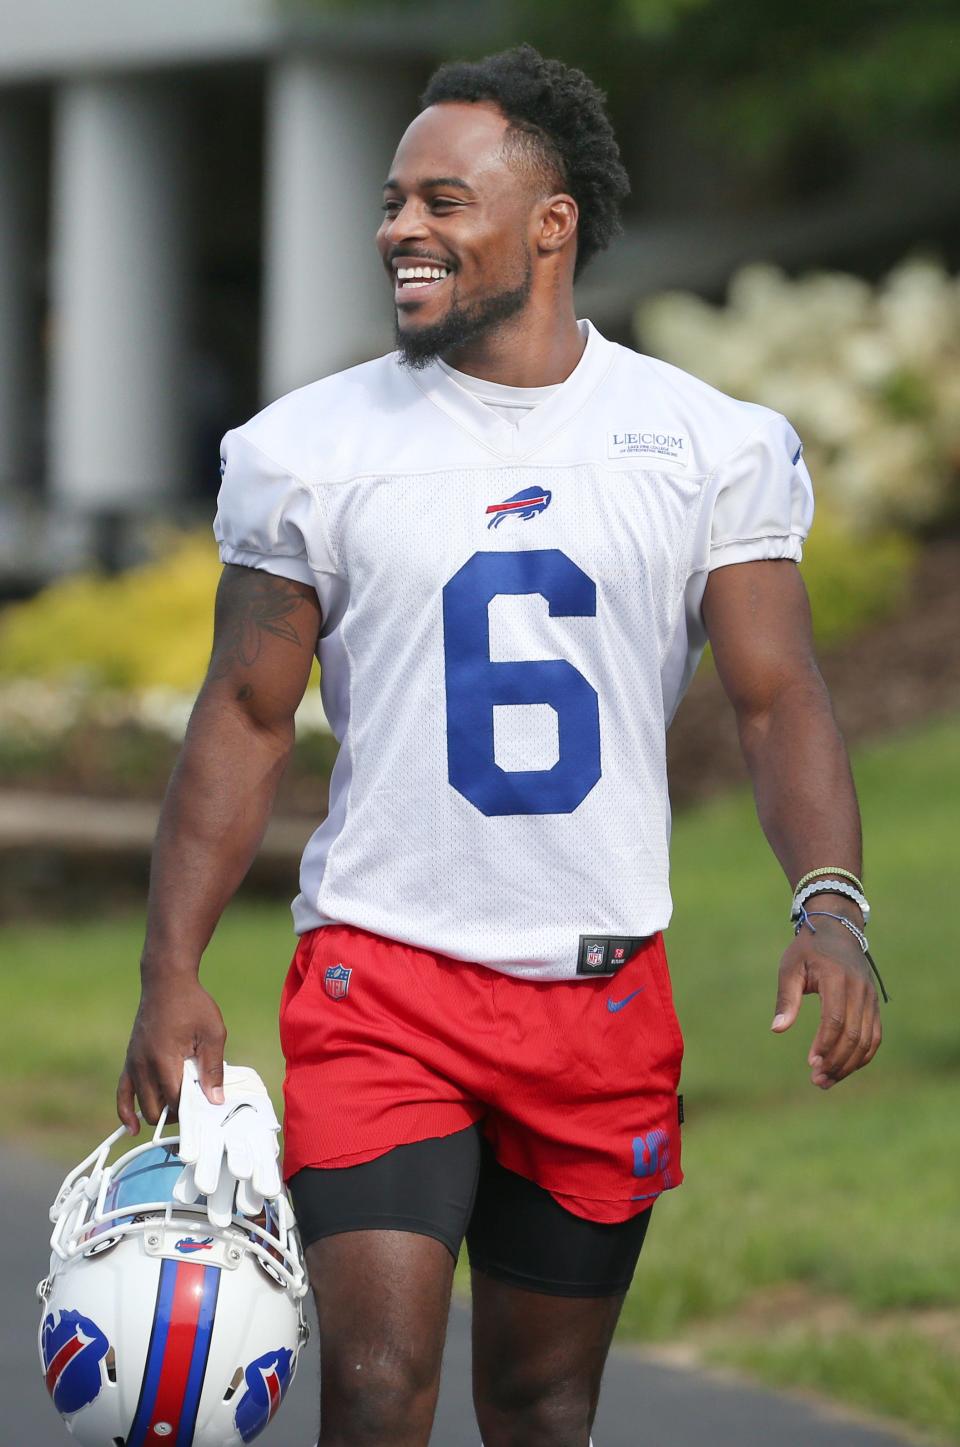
x=188, y=195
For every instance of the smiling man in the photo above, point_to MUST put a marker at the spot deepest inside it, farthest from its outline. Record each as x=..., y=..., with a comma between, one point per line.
x=508, y=541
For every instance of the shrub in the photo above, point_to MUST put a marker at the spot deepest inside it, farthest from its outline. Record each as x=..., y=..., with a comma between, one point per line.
x=147, y=628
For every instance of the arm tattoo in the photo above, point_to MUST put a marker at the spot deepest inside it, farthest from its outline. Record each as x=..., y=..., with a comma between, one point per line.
x=249, y=604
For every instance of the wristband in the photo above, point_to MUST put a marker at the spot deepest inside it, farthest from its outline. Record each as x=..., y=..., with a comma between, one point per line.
x=829, y=886
x=831, y=869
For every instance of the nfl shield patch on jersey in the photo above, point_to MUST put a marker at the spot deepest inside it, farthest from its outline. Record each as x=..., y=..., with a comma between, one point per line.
x=605, y=956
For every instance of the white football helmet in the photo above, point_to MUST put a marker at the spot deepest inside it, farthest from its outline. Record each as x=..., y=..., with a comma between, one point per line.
x=159, y=1329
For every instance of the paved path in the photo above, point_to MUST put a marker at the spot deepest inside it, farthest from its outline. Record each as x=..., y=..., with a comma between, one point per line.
x=643, y=1404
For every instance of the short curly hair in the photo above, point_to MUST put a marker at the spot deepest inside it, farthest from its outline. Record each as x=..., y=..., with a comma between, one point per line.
x=558, y=120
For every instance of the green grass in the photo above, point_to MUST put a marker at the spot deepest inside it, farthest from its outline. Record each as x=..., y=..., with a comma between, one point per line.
x=62, y=1044
x=876, y=1372
x=850, y=1194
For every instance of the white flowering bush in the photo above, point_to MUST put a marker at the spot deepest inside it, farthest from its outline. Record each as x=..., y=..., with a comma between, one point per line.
x=39, y=710
x=869, y=377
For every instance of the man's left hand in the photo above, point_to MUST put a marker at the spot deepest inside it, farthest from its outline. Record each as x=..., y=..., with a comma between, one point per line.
x=831, y=964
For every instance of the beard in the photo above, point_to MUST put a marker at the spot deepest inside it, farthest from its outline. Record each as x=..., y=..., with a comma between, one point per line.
x=462, y=325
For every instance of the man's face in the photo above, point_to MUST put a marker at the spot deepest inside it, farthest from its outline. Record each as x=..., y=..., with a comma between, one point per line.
x=457, y=212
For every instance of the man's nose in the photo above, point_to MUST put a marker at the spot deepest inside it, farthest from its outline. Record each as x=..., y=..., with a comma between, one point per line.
x=409, y=223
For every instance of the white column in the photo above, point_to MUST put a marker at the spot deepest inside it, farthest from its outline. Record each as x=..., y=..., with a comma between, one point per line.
x=19, y=333
x=118, y=425
x=332, y=128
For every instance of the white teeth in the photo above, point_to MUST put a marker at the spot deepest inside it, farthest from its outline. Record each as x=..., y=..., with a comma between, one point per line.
x=409, y=274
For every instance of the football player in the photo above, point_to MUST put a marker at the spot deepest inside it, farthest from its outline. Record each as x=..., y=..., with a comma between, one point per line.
x=508, y=542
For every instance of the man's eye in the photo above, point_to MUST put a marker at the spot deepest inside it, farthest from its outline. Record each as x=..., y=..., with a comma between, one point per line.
x=390, y=206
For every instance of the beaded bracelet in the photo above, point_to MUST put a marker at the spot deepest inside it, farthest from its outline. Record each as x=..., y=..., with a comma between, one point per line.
x=804, y=919
x=829, y=886
x=828, y=869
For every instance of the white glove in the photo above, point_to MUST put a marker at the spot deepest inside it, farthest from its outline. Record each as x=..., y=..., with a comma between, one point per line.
x=228, y=1148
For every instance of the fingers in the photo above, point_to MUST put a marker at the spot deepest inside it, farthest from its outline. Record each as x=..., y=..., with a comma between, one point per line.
x=857, y=1036
x=189, y=1145
x=155, y=1084
x=126, y=1109
x=789, y=996
x=249, y=1200
x=208, y=1167
x=169, y=1077
x=185, y=1188
x=833, y=1014
x=239, y=1152
x=210, y=1067
x=875, y=1038
x=266, y=1175
x=850, y=1030
x=220, y=1201
x=138, y=1082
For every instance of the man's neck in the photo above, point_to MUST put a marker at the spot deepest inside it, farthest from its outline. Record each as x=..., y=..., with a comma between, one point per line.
x=521, y=353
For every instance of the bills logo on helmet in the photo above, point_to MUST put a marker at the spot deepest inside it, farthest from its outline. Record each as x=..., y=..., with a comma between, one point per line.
x=187, y=1245
x=336, y=981
x=525, y=504
x=72, y=1347
x=266, y=1380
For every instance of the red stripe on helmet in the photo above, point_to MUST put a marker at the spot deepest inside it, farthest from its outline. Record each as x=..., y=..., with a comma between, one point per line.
x=184, y=1315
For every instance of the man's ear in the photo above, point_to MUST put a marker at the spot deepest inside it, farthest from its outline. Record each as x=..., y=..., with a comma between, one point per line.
x=559, y=216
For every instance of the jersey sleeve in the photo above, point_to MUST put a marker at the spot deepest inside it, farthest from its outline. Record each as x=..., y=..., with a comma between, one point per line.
x=268, y=518
x=760, y=504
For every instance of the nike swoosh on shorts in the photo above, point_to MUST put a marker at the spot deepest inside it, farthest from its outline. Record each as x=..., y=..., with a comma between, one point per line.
x=614, y=1005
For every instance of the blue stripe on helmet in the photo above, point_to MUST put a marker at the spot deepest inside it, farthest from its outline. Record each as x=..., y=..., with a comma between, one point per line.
x=155, y=1354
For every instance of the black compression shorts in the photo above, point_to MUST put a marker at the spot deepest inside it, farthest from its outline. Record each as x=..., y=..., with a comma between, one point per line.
x=453, y=1187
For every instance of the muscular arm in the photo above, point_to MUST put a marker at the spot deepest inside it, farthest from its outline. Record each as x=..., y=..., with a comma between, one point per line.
x=213, y=818
x=758, y=620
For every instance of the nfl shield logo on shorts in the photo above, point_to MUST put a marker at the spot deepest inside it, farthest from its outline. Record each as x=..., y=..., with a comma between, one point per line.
x=336, y=981
x=595, y=956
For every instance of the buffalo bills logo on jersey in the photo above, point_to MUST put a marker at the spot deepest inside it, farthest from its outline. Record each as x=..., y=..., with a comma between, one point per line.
x=266, y=1381
x=525, y=504
x=651, y=1153
x=72, y=1347
x=187, y=1245
x=336, y=981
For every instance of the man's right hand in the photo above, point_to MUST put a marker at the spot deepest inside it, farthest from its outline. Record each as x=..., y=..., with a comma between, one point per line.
x=176, y=1020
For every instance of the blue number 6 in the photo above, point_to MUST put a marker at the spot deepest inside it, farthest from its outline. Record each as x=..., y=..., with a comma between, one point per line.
x=475, y=685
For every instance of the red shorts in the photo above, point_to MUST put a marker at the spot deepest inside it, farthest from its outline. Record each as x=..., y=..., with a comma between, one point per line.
x=574, y=1080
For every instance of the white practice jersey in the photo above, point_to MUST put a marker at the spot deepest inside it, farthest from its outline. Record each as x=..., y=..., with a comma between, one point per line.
x=511, y=616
